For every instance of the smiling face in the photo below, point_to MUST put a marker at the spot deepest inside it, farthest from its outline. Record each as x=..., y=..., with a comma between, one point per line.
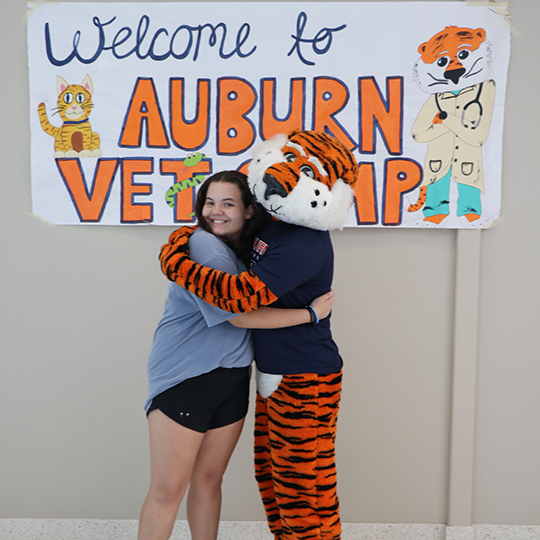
x=224, y=211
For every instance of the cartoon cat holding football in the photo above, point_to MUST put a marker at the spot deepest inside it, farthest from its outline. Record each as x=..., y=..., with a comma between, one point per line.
x=455, y=120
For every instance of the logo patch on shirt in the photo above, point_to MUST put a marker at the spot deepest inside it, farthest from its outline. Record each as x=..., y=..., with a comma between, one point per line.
x=259, y=246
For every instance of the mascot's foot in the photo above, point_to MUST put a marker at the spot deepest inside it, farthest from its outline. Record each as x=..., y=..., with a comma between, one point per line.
x=472, y=217
x=436, y=219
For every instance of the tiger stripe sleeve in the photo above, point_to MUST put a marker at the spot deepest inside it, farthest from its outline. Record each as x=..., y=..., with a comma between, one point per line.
x=234, y=293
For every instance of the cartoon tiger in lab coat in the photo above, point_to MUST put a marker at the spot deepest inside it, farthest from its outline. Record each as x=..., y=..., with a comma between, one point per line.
x=455, y=120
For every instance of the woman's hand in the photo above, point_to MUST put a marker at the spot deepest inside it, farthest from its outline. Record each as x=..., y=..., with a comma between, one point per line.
x=323, y=304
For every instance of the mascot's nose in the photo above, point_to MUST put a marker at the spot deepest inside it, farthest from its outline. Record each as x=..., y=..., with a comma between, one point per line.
x=273, y=187
x=454, y=74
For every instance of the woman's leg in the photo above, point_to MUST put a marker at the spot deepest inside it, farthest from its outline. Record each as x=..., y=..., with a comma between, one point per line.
x=204, y=497
x=173, y=452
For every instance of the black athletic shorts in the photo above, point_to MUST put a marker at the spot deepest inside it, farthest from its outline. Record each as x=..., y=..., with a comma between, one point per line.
x=209, y=401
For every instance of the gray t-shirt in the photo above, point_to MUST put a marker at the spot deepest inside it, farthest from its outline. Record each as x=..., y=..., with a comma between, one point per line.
x=194, y=337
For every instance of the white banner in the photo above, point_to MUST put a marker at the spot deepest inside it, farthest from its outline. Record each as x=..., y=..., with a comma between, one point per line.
x=132, y=105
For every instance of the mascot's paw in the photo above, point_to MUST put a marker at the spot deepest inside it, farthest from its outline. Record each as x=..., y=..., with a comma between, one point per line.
x=175, y=251
x=181, y=236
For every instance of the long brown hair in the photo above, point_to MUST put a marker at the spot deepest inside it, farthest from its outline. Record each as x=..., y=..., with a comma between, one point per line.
x=242, y=248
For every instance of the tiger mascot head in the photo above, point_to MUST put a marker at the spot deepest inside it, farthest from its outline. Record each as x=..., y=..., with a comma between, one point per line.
x=453, y=59
x=304, y=178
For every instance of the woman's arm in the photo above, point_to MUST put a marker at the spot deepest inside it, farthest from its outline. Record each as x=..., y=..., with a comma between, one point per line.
x=268, y=317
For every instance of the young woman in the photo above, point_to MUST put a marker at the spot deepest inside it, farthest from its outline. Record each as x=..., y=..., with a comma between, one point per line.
x=199, y=369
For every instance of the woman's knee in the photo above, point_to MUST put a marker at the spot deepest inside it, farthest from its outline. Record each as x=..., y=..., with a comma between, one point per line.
x=168, y=493
x=208, y=480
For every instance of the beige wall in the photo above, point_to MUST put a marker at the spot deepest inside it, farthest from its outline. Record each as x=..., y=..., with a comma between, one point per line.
x=439, y=419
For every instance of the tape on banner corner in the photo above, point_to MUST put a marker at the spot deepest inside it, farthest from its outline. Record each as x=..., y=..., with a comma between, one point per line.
x=501, y=8
x=32, y=8
x=493, y=223
x=41, y=219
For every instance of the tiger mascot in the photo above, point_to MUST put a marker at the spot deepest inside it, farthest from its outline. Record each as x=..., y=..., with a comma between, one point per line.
x=453, y=68
x=304, y=181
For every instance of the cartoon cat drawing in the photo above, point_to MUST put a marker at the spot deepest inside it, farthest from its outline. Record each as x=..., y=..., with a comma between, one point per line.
x=74, y=138
x=453, y=68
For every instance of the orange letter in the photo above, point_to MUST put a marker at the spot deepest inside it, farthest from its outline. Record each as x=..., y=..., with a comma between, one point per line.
x=376, y=112
x=235, y=132
x=294, y=119
x=190, y=135
x=366, y=202
x=184, y=198
x=329, y=97
x=89, y=206
x=136, y=212
x=244, y=167
x=400, y=176
x=144, y=108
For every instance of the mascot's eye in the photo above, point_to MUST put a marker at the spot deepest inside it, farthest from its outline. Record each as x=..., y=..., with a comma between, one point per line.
x=441, y=62
x=307, y=170
x=463, y=54
x=290, y=157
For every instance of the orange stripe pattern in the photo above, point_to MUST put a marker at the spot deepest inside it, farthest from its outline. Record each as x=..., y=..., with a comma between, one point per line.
x=234, y=293
x=295, y=431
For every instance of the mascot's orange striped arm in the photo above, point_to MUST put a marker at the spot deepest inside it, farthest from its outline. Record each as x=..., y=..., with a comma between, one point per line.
x=303, y=178
x=233, y=293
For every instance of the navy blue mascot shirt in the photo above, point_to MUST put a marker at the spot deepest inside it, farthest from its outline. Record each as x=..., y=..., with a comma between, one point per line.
x=297, y=265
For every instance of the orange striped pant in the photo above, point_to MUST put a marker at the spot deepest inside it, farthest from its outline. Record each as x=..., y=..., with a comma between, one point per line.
x=295, y=431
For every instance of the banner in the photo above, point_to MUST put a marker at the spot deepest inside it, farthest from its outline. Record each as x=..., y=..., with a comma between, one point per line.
x=133, y=105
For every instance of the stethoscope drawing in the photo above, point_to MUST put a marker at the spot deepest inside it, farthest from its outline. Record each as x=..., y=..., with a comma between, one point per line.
x=476, y=101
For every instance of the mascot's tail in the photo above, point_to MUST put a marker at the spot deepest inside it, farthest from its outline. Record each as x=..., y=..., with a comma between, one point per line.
x=421, y=201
